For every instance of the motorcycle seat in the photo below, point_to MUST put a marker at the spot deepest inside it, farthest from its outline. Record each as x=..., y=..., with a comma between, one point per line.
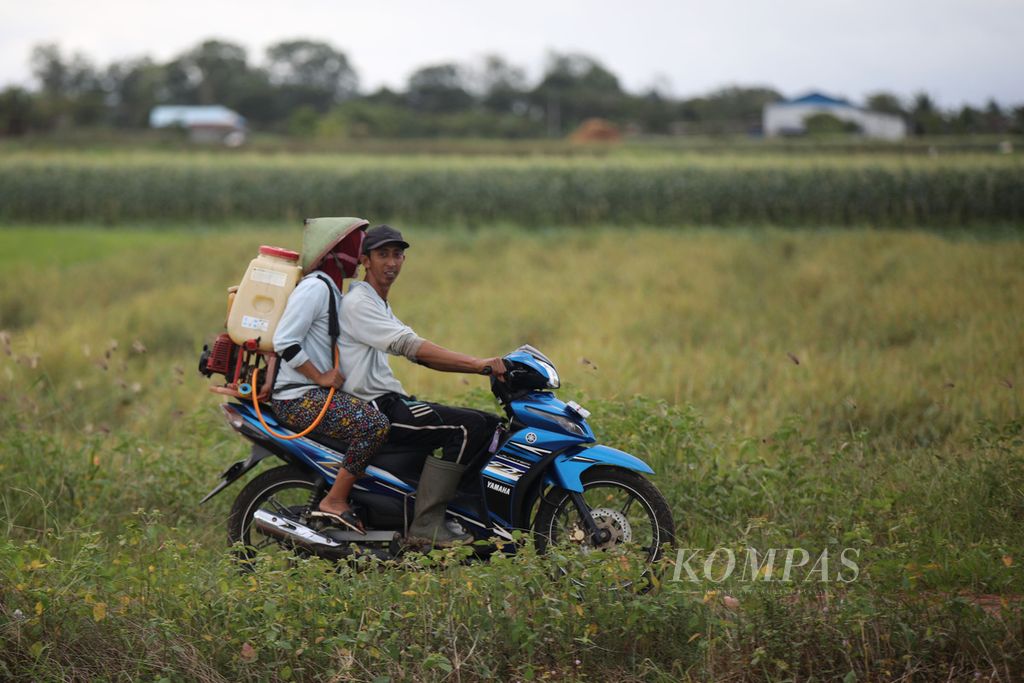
x=404, y=462
x=334, y=444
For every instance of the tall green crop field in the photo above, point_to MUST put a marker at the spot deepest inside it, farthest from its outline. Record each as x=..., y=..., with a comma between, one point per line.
x=664, y=189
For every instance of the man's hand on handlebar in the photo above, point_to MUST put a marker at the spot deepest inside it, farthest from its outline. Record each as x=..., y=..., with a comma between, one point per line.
x=494, y=367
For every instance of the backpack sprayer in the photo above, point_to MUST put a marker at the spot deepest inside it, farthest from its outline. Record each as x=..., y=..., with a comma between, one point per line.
x=245, y=355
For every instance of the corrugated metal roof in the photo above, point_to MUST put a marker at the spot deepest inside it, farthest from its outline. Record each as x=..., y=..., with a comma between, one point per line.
x=190, y=115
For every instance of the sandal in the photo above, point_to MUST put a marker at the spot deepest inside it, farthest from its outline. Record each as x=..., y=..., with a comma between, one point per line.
x=346, y=519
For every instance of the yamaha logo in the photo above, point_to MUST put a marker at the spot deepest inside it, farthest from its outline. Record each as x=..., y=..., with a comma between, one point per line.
x=530, y=437
x=499, y=488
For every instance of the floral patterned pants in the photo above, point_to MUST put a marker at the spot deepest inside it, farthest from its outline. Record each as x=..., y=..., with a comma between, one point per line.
x=348, y=419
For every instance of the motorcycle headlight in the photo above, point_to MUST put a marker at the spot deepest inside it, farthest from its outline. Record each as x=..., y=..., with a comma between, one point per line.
x=564, y=422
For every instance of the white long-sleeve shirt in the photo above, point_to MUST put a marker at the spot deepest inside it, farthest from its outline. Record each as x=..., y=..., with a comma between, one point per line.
x=305, y=322
x=370, y=331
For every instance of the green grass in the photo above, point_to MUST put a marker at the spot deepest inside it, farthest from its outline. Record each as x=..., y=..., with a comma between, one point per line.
x=899, y=434
x=880, y=322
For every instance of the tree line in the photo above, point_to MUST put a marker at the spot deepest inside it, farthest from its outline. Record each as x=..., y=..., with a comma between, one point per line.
x=310, y=88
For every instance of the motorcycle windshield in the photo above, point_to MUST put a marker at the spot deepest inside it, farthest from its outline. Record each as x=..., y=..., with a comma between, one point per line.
x=526, y=348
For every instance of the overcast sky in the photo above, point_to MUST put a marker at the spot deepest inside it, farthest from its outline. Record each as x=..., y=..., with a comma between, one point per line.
x=956, y=50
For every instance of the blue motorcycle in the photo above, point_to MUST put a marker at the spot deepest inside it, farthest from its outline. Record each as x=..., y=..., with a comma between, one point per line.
x=543, y=473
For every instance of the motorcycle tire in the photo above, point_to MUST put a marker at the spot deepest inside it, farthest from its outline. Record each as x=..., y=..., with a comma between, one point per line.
x=557, y=517
x=299, y=485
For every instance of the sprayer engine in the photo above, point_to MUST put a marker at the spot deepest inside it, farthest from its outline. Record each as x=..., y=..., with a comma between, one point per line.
x=221, y=359
x=236, y=363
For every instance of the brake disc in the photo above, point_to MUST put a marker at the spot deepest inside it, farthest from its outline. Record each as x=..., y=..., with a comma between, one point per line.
x=615, y=523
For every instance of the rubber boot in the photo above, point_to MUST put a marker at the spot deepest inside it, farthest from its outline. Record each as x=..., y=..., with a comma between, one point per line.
x=437, y=486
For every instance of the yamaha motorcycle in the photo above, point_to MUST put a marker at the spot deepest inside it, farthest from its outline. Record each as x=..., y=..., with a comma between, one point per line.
x=543, y=473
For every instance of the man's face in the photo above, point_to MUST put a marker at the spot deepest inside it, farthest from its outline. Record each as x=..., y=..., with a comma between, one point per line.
x=384, y=263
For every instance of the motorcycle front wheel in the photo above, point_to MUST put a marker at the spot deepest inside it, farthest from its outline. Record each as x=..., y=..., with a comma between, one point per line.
x=622, y=502
x=284, y=491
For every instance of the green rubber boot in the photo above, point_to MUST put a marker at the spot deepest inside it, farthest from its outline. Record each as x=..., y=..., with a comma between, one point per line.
x=437, y=486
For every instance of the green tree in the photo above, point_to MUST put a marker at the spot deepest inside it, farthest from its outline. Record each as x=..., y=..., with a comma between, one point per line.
x=16, y=111
x=303, y=121
x=72, y=91
x=440, y=88
x=968, y=120
x=1017, y=122
x=995, y=120
x=502, y=86
x=653, y=111
x=925, y=118
x=308, y=72
x=213, y=72
x=886, y=103
x=576, y=87
x=136, y=86
x=733, y=109
x=217, y=72
x=380, y=116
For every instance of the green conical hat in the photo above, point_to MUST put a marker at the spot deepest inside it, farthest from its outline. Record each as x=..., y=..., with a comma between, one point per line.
x=322, y=235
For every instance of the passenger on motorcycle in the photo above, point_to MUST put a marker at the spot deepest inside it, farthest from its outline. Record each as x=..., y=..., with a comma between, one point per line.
x=307, y=373
x=370, y=331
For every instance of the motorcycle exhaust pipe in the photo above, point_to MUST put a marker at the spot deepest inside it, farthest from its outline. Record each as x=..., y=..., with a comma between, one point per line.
x=321, y=545
x=298, y=535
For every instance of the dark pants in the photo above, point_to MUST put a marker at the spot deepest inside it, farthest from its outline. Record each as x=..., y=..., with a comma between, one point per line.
x=462, y=434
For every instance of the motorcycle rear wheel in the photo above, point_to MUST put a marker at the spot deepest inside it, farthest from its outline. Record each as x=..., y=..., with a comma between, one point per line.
x=283, y=490
x=621, y=501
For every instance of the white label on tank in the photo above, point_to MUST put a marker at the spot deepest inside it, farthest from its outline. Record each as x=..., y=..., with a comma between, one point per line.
x=250, y=323
x=271, y=277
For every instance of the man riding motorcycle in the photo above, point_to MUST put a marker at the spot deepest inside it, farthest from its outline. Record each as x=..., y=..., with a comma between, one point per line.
x=370, y=331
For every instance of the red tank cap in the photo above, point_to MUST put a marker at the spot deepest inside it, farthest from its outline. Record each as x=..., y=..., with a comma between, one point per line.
x=279, y=252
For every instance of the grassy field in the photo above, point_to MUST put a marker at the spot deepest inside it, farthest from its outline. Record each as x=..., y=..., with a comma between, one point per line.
x=822, y=389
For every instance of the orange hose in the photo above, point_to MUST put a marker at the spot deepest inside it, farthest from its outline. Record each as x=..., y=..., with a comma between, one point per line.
x=307, y=430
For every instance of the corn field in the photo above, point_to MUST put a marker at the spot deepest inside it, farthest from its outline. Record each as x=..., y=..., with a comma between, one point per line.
x=678, y=190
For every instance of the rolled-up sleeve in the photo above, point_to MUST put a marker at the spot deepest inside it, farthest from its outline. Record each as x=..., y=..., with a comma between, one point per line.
x=305, y=303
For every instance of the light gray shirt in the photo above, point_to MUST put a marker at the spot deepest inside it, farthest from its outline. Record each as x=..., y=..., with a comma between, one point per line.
x=305, y=322
x=370, y=331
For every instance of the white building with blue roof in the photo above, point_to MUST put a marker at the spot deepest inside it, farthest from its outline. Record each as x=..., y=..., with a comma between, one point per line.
x=789, y=116
x=205, y=123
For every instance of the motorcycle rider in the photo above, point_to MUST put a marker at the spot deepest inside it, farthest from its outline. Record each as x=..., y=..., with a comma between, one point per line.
x=307, y=371
x=370, y=331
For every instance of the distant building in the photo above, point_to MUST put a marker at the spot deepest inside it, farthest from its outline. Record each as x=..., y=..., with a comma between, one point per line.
x=787, y=117
x=205, y=124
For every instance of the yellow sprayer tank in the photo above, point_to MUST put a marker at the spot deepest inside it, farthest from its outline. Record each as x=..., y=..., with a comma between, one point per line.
x=259, y=302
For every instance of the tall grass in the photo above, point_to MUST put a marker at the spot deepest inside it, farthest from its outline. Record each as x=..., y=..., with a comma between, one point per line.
x=690, y=190
x=914, y=337
x=822, y=390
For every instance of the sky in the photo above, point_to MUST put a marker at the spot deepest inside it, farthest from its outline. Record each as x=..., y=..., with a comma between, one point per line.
x=958, y=51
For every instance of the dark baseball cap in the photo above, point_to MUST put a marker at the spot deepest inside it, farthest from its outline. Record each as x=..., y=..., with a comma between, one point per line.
x=379, y=235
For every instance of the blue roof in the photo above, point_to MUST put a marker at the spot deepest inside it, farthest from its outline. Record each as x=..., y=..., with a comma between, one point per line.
x=189, y=115
x=819, y=99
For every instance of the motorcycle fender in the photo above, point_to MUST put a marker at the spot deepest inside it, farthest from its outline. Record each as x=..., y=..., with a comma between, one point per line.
x=238, y=469
x=566, y=469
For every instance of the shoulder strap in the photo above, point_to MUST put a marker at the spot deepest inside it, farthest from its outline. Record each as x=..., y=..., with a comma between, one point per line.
x=333, y=326
x=333, y=329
